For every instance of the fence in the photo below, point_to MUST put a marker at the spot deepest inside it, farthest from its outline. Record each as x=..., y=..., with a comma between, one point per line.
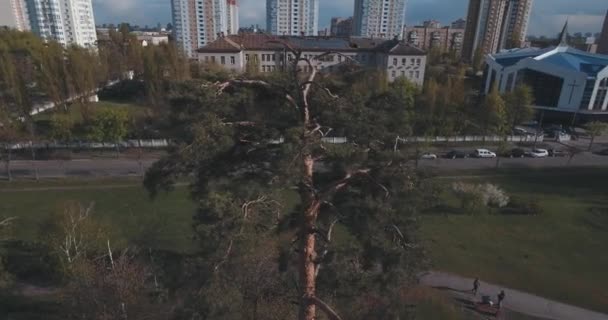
x=526, y=138
x=128, y=144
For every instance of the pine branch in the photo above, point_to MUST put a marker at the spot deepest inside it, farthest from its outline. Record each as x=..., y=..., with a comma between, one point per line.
x=331, y=314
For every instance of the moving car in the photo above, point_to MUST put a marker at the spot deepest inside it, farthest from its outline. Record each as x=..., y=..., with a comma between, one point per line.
x=456, y=154
x=602, y=153
x=484, y=153
x=517, y=153
x=539, y=153
x=428, y=156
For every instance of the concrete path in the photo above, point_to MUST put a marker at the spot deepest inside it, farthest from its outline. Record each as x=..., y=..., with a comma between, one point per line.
x=515, y=300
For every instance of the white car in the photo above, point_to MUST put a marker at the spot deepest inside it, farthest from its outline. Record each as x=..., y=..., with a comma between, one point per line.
x=539, y=153
x=484, y=153
x=428, y=156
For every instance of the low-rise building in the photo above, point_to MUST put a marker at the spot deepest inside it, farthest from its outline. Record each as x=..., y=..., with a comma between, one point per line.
x=151, y=38
x=240, y=52
x=341, y=27
x=563, y=79
x=426, y=38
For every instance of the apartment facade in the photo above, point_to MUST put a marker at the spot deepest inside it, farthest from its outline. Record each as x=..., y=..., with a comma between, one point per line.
x=239, y=53
x=292, y=17
x=13, y=14
x=602, y=46
x=65, y=21
x=445, y=39
x=378, y=18
x=233, y=17
x=493, y=25
x=199, y=22
x=341, y=27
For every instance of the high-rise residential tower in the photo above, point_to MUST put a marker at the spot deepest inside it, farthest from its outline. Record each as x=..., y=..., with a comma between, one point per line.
x=292, y=17
x=378, y=18
x=493, y=25
x=515, y=25
x=602, y=46
x=341, y=27
x=233, y=17
x=66, y=21
x=196, y=22
x=13, y=14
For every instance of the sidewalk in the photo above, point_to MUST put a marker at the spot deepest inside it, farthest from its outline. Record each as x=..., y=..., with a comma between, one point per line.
x=515, y=300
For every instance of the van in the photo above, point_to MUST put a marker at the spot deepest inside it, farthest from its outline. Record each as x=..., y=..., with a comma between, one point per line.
x=484, y=153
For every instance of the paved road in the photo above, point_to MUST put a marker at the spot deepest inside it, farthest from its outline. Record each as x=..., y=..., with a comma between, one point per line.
x=515, y=300
x=77, y=168
x=128, y=167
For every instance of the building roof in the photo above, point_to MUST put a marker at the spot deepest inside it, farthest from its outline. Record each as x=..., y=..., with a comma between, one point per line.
x=561, y=56
x=259, y=41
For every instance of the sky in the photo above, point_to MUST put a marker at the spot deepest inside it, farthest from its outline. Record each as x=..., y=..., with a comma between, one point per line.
x=548, y=16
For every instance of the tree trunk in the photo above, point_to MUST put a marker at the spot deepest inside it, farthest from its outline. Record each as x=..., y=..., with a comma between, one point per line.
x=33, y=151
x=9, y=175
x=307, y=249
x=591, y=143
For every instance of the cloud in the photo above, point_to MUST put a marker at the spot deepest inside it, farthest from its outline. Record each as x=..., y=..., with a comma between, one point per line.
x=547, y=15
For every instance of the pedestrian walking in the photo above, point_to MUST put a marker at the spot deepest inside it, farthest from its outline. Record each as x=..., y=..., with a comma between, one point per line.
x=475, y=286
x=501, y=297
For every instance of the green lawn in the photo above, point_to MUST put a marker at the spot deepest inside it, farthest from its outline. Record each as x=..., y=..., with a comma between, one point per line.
x=561, y=254
x=131, y=216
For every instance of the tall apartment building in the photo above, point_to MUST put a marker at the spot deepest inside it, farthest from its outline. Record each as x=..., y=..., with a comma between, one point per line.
x=433, y=24
x=515, y=25
x=292, y=17
x=493, y=25
x=66, y=21
x=602, y=46
x=341, y=27
x=13, y=14
x=459, y=24
x=445, y=39
x=233, y=17
x=378, y=18
x=196, y=22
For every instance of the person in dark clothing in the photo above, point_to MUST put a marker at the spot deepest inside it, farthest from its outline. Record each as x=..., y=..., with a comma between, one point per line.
x=475, y=286
x=501, y=297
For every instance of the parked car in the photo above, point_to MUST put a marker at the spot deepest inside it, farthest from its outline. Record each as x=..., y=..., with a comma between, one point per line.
x=517, y=153
x=456, y=154
x=484, y=153
x=558, y=153
x=428, y=156
x=539, y=153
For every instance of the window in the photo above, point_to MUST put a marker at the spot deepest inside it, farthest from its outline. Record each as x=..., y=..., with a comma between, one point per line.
x=263, y=67
x=418, y=62
x=247, y=57
x=412, y=61
x=223, y=60
x=411, y=74
x=417, y=74
x=339, y=58
x=274, y=57
x=394, y=61
x=255, y=58
x=393, y=74
x=212, y=59
x=403, y=61
x=263, y=57
x=232, y=60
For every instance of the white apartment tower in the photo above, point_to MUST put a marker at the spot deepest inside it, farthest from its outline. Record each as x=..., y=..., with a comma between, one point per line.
x=198, y=22
x=13, y=14
x=378, y=18
x=66, y=21
x=292, y=17
x=233, y=17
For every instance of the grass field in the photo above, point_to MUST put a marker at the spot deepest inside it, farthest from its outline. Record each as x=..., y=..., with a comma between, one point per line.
x=560, y=254
x=123, y=205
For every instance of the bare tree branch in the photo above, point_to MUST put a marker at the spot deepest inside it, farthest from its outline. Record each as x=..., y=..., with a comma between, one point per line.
x=225, y=257
x=331, y=314
x=259, y=83
x=402, y=238
x=6, y=222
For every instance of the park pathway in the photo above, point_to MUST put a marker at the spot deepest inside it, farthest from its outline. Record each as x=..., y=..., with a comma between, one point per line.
x=515, y=300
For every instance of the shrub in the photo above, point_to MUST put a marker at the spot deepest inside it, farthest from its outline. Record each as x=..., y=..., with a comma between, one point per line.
x=473, y=197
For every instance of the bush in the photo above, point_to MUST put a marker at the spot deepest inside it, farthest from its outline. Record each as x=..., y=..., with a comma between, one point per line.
x=473, y=197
